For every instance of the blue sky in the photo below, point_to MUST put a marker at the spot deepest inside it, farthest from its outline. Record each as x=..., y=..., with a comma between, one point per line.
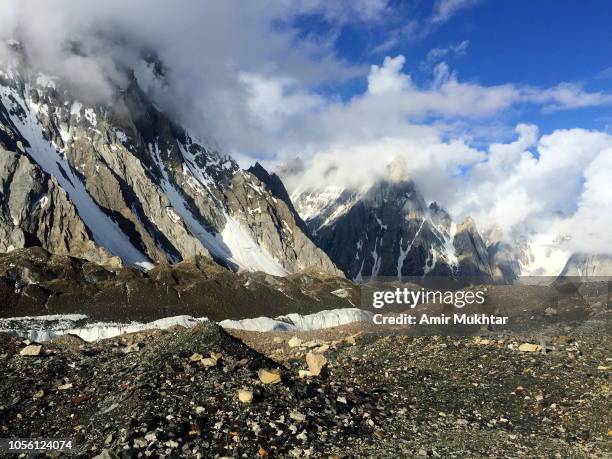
x=540, y=43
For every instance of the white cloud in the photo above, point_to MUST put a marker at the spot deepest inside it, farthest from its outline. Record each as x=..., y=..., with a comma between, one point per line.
x=271, y=100
x=554, y=184
x=389, y=77
x=445, y=9
x=207, y=45
x=436, y=55
x=566, y=95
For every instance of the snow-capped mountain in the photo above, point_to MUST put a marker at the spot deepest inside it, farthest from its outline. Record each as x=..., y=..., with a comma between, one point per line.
x=322, y=207
x=389, y=230
x=124, y=182
x=537, y=255
x=588, y=265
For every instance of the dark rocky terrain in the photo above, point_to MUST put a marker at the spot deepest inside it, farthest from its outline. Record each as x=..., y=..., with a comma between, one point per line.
x=35, y=282
x=159, y=394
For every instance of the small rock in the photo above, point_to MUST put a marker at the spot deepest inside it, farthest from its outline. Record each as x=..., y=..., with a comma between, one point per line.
x=196, y=357
x=65, y=386
x=106, y=454
x=277, y=340
x=269, y=376
x=209, y=362
x=550, y=312
x=132, y=348
x=304, y=373
x=294, y=342
x=31, y=350
x=140, y=443
x=316, y=362
x=39, y=394
x=297, y=416
x=212, y=360
x=245, y=396
x=529, y=347
x=322, y=349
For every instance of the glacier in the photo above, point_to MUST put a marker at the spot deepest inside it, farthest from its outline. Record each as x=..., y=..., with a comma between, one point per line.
x=46, y=327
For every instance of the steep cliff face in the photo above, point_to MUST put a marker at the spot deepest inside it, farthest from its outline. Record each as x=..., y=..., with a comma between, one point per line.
x=389, y=230
x=37, y=211
x=123, y=179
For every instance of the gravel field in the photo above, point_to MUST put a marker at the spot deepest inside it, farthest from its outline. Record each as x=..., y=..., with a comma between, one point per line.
x=202, y=392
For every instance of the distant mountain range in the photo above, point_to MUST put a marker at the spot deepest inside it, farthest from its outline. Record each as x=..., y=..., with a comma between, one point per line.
x=123, y=183
x=388, y=230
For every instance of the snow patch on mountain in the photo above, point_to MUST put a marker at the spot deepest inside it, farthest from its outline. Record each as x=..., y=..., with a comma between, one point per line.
x=323, y=207
x=233, y=245
x=105, y=231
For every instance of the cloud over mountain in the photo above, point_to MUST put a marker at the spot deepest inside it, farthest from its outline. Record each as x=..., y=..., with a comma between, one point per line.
x=246, y=75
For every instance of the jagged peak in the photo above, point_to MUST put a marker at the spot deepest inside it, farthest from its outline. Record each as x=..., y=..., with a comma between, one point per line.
x=397, y=170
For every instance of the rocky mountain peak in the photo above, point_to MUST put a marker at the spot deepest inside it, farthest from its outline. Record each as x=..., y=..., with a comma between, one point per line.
x=390, y=231
x=397, y=170
x=124, y=179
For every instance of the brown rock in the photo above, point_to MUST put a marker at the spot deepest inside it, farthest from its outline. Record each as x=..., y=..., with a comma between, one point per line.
x=32, y=350
x=269, y=376
x=530, y=347
x=245, y=396
x=316, y=362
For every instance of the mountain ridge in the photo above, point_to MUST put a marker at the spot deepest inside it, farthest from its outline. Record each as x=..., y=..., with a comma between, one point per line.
x=133, y=184
x=389, y=230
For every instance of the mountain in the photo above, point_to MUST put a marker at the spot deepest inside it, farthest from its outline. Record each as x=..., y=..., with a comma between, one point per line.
x=588, y=265
x=122, y=182
x=533, y=255
x=274, y=183
x=389, y=230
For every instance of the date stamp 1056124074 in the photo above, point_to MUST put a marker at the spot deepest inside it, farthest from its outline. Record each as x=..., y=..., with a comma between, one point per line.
x=22, y=445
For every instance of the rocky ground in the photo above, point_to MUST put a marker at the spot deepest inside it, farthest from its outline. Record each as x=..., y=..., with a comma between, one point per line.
x=36, y=282
x=202, y=392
